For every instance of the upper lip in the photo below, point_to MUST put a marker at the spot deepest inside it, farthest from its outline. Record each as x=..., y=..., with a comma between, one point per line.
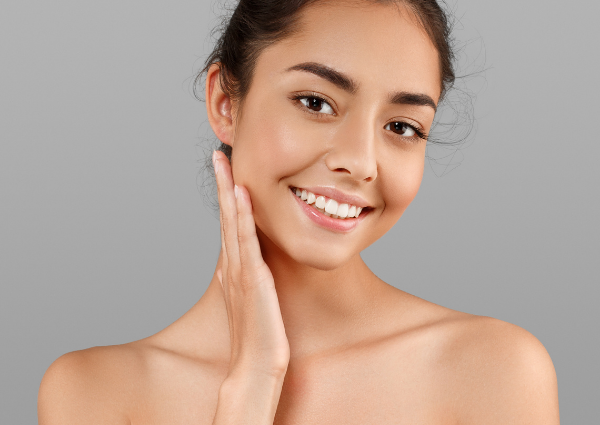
x=337, y=195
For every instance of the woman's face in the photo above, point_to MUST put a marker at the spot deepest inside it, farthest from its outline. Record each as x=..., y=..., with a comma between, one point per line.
x=377, y=74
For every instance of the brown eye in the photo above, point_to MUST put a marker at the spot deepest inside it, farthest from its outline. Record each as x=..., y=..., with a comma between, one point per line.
x=401, y=128
x=317, y=105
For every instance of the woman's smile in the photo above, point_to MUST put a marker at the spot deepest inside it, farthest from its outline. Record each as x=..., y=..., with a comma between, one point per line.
x=328, y=212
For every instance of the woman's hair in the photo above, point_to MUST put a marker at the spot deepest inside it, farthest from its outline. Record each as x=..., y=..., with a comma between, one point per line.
x=256, y=24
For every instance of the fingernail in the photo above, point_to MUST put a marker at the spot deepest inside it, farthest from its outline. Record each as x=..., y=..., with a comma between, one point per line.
x=235, y=191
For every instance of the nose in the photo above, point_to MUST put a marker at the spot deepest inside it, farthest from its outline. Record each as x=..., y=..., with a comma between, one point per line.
x=353, y=150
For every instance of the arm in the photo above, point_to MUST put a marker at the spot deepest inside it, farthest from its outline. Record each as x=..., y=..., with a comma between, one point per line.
x=259, y=347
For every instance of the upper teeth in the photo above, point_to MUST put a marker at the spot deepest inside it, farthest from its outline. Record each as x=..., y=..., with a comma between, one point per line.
x=330, y=206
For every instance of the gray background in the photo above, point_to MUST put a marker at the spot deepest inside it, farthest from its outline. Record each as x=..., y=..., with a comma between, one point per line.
x=105, y=239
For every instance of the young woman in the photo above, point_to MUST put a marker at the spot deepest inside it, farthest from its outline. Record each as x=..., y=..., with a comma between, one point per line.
x=323, y=108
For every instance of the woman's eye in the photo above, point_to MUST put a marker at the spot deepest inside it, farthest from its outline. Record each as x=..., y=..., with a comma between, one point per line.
x=401, y=128
x=317, y=105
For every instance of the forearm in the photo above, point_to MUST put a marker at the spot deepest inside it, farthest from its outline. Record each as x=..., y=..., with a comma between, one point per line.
x=248, y=399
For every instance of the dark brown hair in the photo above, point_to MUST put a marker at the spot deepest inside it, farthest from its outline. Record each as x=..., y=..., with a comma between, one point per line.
x=256, y=24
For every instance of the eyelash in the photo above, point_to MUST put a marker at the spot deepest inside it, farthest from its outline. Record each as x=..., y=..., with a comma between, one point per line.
x=419, y=134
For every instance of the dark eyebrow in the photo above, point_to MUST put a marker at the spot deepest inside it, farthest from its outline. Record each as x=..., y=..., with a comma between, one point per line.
x=418, y=99
x=347, y=84
x=335, y=77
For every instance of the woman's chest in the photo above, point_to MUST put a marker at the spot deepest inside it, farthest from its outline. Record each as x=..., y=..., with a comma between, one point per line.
x=363, y=392
x=347, y=390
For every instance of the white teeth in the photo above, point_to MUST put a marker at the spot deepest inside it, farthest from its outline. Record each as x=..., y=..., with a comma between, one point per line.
x=320, y=202
x=331, y=206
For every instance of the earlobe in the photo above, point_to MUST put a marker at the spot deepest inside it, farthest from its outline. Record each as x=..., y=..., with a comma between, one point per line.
x=218, y=107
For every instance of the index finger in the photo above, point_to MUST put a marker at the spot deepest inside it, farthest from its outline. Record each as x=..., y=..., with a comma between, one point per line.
x=227, y=205
x=249, y=246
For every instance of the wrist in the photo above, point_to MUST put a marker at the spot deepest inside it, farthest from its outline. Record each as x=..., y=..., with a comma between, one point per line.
x=248, y=379
x=248, y=397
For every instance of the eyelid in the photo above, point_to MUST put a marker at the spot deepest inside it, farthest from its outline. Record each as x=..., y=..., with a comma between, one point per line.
x=326, y=99
x=418, y=129
x=406, y=120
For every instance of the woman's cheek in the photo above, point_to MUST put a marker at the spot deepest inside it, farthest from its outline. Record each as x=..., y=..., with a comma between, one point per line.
x=289, y=143
x=257, y=148
x=402, y=183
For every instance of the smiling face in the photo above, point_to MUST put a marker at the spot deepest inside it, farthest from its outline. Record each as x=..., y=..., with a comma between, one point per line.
x=342, y=105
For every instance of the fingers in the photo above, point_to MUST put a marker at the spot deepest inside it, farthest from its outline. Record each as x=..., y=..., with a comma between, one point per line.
x=255, y=323
x=249, y=248
x=224, y=259
x=225, y=206
x=221, y=275
x=224, y=264
x=242, y=254
x=228, y=210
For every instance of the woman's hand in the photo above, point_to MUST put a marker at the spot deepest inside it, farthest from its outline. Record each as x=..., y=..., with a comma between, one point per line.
x=259, y=345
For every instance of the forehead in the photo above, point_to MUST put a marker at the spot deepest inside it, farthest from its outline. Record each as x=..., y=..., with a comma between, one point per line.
x=381, y=46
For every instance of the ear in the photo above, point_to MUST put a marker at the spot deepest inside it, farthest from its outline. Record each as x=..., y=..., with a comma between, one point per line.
x=218, y=107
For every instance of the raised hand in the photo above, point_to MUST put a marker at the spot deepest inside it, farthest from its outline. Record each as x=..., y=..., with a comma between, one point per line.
x=259, y=346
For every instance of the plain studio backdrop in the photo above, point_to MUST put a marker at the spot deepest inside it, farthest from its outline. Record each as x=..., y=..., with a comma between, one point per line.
x=105, y=237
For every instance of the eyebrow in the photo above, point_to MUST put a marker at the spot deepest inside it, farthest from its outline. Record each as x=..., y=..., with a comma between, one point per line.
x=349, y=85
x=418, y=99
x=335, y=77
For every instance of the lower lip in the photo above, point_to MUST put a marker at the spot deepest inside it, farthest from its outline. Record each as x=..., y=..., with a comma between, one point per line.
x=337, y=224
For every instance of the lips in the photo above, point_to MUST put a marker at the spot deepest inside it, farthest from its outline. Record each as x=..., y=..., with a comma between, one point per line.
x=328, y=206
x=327, y=221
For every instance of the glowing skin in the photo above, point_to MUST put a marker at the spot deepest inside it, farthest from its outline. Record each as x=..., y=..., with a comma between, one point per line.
x=360, y=350
x=277, y=144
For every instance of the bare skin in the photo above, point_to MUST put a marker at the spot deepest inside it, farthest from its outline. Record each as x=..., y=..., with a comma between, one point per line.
x=316, y=338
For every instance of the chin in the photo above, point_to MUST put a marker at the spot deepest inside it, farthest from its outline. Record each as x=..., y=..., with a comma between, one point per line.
x=324, y=261
x=304, y=252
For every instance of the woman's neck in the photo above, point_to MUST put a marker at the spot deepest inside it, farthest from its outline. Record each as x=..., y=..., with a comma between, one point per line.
x=322, y=311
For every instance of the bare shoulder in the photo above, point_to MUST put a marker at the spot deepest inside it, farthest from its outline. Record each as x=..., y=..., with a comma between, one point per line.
x=484, y=369
x=146, y=381
x=499, y=372
x=91, y=386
